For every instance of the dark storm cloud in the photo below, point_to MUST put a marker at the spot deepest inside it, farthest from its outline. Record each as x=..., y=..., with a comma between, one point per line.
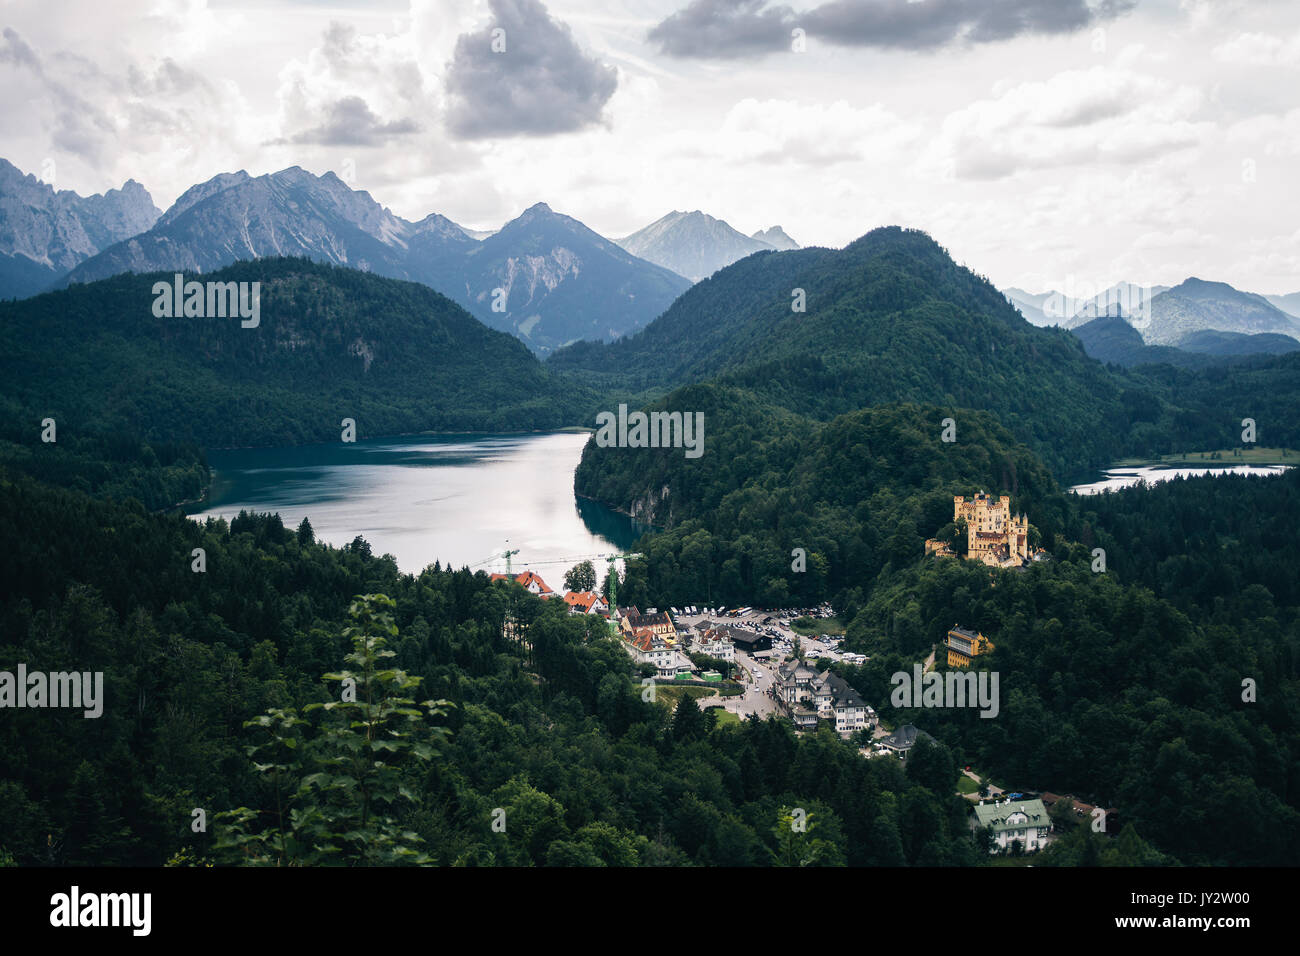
x=727, y=29
x=351, y=122
x=540, y=85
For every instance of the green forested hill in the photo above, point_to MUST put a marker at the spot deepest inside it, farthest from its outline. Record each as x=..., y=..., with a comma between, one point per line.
x=888, y=318
x=891, y=318
x=856, y=493
x=554, y=731
x=332, y=343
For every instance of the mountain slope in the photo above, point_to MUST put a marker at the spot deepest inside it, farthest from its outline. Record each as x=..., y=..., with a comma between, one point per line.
x=1213, y=342
x=692, y=244
x=1033, y=306
x=777, y=238
x=1124, y=299
x=1289, y=303
x=562, y=282
x=889, y=318
x=44, y=233
x=236, y=217
x=1196, y=305
x=331, y=344
x=1112, y=339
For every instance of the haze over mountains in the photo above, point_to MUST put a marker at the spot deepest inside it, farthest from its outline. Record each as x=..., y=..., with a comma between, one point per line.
x=696, y=245
x=1196, y=316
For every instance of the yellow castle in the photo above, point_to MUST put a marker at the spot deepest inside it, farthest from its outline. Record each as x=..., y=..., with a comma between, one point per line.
x=993, y=534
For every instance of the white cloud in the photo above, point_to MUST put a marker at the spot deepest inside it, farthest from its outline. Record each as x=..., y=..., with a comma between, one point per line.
x=1258, y=49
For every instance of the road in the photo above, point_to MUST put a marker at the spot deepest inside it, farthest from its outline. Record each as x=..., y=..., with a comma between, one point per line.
x=756, y=674
x=993, y=791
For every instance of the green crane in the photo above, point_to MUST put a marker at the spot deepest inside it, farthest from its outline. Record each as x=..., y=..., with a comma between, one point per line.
x=612, y=577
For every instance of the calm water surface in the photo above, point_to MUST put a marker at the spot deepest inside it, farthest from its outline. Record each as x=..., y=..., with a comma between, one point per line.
x=457, y=499
x=1151, y=474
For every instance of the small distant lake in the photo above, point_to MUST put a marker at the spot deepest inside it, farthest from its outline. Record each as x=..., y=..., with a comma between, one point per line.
x=457, y=499
x=1151, y=474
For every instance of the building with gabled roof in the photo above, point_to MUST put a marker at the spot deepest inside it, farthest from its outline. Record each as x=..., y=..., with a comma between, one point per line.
x=1015, y=821
x=530, y=580
x=585, y=602
x=799, y=687
x=715, y=642
x=904, y=739
x=630, y=618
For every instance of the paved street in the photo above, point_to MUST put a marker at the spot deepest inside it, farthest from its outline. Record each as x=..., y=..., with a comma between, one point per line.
x=755, y=673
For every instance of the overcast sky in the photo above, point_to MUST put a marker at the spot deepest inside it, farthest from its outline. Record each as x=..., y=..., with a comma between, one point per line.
x=1062, y=144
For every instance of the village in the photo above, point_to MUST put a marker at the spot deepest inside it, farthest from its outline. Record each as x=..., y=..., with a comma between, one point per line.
x=777, y=662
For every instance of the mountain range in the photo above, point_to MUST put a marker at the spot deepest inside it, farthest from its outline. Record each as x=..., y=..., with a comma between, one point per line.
x=1160, y=316
x=44, y=232
x=696, y=245
x=558, y=280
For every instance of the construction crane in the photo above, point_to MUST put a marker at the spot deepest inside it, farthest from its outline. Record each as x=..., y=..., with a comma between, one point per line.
x=508, y=555
x=612, y=577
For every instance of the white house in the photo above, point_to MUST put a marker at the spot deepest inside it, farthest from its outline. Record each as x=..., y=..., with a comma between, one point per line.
x=715, y=642
x=1023, y=821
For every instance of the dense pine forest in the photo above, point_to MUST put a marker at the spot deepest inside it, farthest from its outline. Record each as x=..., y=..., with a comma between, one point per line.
x=554, y=730
x=476, y=702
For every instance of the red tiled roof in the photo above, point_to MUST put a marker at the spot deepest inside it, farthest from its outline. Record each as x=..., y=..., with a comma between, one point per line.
x=582, y=600
x=525, y=578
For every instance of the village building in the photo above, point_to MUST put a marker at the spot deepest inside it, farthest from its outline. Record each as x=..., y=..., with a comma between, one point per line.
x=809, y=696
x=715, y=642
x=630, y=619
x=902, y=740
x=1015, y=821
x=585, y=602
x=647, y=647
x=963, y=644
x=532, y=581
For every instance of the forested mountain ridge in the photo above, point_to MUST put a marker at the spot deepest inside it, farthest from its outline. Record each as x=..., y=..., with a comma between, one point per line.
x=544, y=277
x=555, y=731
x=856, y=493
x=330, y=344
x=888, y=318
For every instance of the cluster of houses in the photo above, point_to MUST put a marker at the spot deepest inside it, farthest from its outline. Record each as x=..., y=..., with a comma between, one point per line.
x=580, y=602
x=808, y=696
x=650, y=637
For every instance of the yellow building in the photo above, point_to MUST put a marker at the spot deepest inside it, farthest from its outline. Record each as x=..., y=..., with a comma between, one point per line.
x=964, y=644
x=993, y=534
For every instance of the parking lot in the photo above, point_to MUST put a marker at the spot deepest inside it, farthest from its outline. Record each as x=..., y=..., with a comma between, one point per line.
x=756, y=671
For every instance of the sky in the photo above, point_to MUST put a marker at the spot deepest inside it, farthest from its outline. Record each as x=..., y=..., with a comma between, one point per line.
x=1047, y=144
